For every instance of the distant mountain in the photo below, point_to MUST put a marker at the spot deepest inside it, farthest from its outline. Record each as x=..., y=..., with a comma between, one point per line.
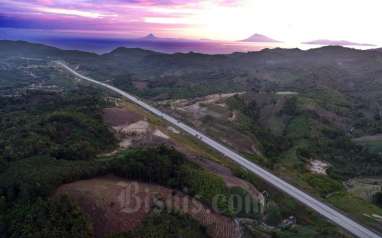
x=150, y=37
x=259, y=38
x=26, y=49
x=336, y=42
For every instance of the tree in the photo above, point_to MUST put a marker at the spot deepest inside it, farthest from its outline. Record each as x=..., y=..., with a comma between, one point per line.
x=3, y=164
x=290, y=107
x=55, y=218
x=377, y=199
x=273, y=216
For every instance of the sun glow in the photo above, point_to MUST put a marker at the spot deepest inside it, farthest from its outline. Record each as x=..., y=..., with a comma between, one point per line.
x=291, y=21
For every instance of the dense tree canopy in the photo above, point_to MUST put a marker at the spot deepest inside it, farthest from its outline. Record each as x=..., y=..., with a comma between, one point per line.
x=65, y=126
x=52, y=218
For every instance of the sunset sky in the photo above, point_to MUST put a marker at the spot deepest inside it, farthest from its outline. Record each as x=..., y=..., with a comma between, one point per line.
x=286, y=20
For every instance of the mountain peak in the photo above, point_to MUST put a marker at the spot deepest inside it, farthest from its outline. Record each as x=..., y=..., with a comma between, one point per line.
x=259, y=38
x=150, y=36
x=336, y=42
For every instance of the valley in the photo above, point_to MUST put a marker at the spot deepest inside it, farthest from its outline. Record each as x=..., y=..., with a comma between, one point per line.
x=307, y=119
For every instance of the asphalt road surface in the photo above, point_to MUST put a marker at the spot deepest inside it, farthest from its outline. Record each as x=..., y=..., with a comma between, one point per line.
x=323, y=209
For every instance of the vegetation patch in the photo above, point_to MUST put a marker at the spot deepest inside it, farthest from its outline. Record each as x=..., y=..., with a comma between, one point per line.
x=323, y=184
x=167, y=225
x=356, y=206
x=49, y=218
x=63, y=126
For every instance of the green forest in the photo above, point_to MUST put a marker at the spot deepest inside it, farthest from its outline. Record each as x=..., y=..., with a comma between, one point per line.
x=303, y=133
x=55, y=141
x=314, y=105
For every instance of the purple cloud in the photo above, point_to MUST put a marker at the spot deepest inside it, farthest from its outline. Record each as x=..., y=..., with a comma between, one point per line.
x=129, y=17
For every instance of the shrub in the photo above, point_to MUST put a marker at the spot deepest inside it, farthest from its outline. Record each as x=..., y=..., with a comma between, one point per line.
x=323, y=184
x=377, y=199
x=167, y=225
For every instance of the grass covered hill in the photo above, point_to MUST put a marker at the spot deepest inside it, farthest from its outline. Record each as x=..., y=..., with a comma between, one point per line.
x=151, y=74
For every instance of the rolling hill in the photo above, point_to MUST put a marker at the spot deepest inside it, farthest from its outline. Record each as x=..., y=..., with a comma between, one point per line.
x=281, y=108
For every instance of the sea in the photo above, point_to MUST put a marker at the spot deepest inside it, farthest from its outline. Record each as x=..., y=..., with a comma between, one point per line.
x=105, y=45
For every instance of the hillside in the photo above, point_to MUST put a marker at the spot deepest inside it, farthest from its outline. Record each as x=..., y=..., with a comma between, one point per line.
x=312, y=117
x=56, y=144
x=340, y=87
x=346, y=70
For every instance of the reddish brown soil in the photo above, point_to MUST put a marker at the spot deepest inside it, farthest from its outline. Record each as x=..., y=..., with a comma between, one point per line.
x=106, y=202
x=120, y=116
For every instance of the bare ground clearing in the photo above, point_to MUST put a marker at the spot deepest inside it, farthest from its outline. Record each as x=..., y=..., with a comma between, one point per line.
x=117, y=205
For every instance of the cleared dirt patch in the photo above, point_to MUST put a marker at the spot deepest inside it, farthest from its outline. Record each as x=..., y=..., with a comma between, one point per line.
x=286, y=93
x=318, y=167
x=119, y=116
x=211, y=115
x=117, y=205
x=199, y=107
x=173, y=130
x=160, y=134
x=137, y=128
x=134, y=128
x=125, y=143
